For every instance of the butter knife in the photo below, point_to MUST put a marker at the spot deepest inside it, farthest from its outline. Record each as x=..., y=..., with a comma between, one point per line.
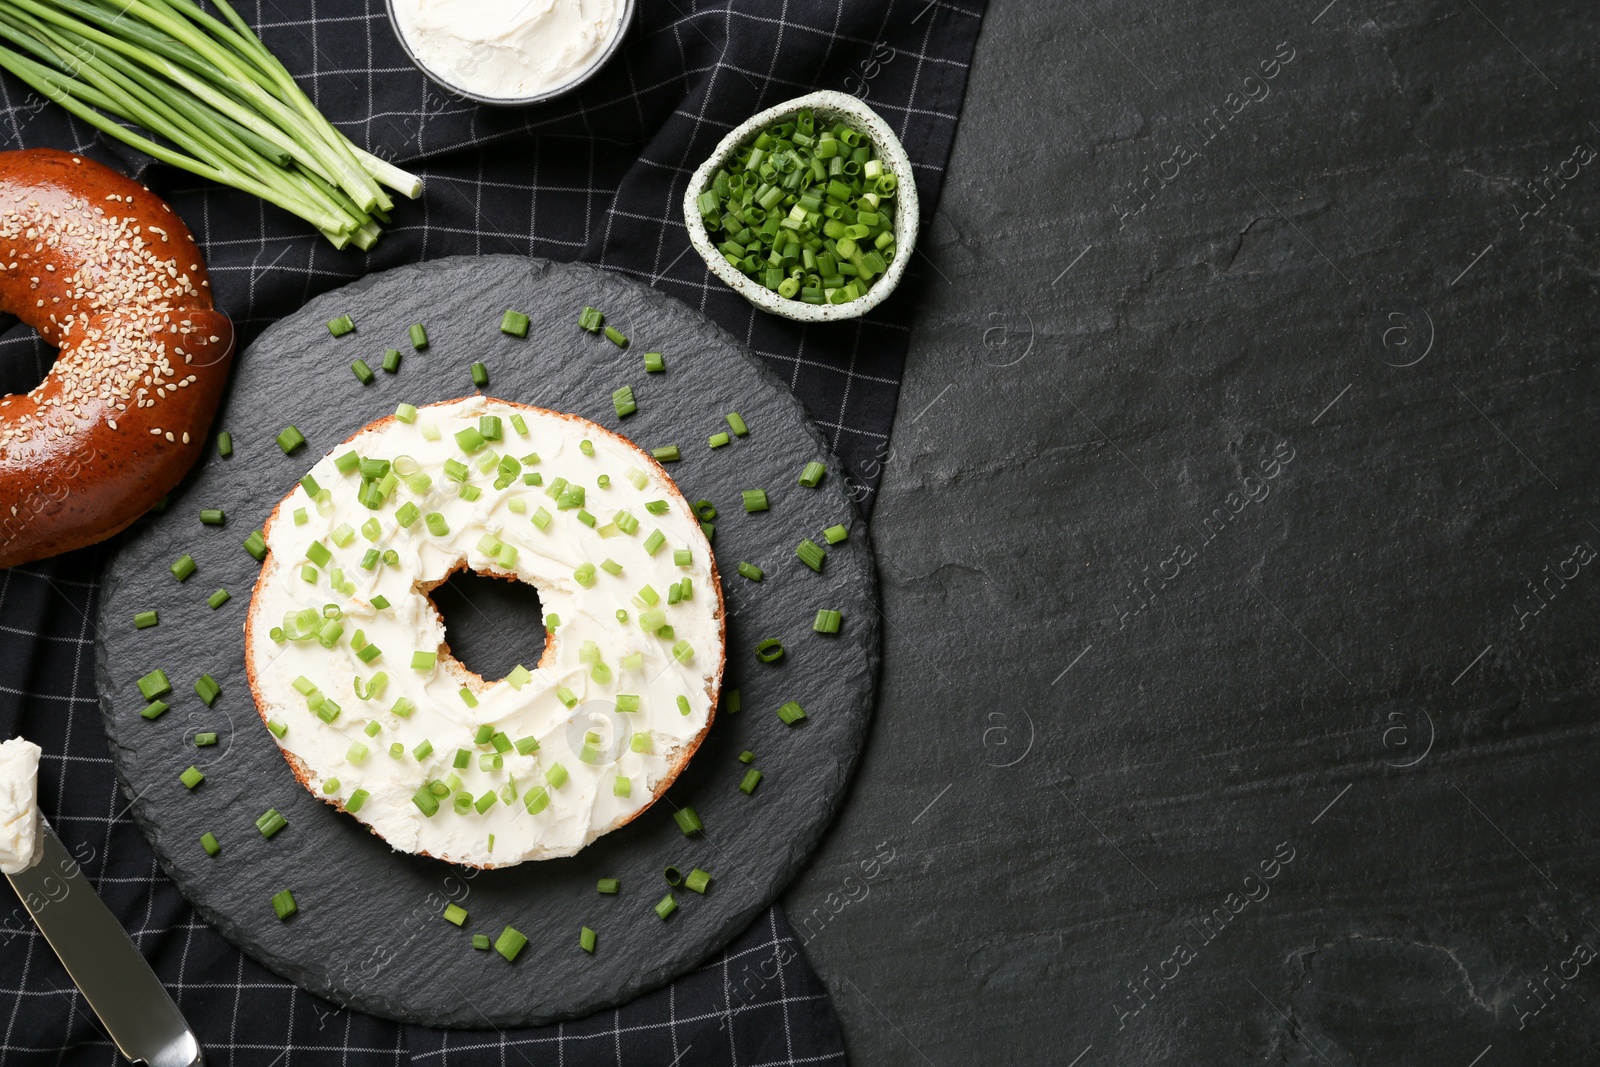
x=103, y=961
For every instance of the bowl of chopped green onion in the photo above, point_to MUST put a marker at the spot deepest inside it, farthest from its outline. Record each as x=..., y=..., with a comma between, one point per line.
x=808, y=209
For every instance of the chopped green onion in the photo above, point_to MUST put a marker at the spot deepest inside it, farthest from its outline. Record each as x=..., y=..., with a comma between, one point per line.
x=205, y=740
x=556, y=776
x=290, y=438
x=362, y=372
x=509, y=943
x=156, y=709
x=769, y=650
x=212, y=517
x=224, y=444
x=406, y=413
x=683, y=652
x=687, y=821
x=489, y=427
x=143, y=620
x=426, y=802
x=697, y=880
x=340, y=326
x=586, y=938
x=791, y=713
x=514, y=323
x=608, y=886
x=615, y=336
x=278, y=729
x=256, y=545
x=622, y=399
x=755, y=500
x=731, y=702
x=419, y=337
x=454, y=913
x=747, y=756
x=666, y=906
x=621, y=787
x=331, y=785
x=391, y=360
x=751, y=779
x=357, y=801
x=217, y=599
x=717, y=440
x=191, y=777
x=424, y=661
x=208, y=841
x=640, y=743
x=356, y=753
x=827, y=622
x=751, y=571
x=436, y=524
x=586, y=446
x=462, y=760
x=835, y=534
x=653, y=543
x=480, y=375
x=811, y=555
x=283, y=904
x=736, y=424
x=653, y=363
x=811, y=477
x=536, y=799
x=591, y=319
x=207, y=689
x=182, y=567
x=271, y=822
x=481, y=941
x=527, y=746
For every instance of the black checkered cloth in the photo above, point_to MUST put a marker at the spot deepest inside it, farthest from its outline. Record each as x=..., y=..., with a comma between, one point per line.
x=596, y=176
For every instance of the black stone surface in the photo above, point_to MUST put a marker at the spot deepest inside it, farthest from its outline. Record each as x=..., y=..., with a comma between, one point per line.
x=368, y=934
x=1354, y=666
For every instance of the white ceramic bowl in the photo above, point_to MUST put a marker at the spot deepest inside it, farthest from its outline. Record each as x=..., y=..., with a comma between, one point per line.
x=442, y=79
x=831, y=107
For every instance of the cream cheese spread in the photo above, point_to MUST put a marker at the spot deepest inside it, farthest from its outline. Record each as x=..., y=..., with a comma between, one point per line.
x=507, y=49
x=20, y=837
x=540, y=763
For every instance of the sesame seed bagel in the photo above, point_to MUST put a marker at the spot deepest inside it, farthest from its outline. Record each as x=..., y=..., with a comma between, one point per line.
x=107, y=273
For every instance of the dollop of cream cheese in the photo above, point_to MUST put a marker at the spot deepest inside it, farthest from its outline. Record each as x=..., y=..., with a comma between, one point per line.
x=577, y=713
x=507, y=49
x=20, y=838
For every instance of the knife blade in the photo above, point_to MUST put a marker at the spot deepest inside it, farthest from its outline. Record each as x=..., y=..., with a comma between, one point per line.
x=103, y=961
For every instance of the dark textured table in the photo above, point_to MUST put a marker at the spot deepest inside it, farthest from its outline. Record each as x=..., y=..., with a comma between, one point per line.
x=1238, y=554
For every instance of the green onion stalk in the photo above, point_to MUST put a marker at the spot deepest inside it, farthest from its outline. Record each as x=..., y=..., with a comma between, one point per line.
x=222, y=105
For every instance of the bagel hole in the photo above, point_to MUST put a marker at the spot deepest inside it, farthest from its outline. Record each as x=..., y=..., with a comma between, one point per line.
x=491, y=623
x=25, y=358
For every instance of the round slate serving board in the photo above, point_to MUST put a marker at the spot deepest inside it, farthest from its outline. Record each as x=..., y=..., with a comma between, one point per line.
x=369, y=933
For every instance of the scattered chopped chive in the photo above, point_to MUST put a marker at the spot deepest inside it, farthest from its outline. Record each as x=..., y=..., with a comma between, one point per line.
x=732, y=702
x=591, y=319
x=331, y=785
x=717, y=440
x=622, y=399
x=653, y=543
x=339, y=327
x=748, y=783
x=182, y=567
x=462, y=760
x=318, y=553
x=627, y=702
x=481, y=941
x=835, y=534
x=657, y=507
x=509, y=943
x=156, y=709
x=143, y=620
x=751, y=571
x=811, y=477
x=480, y=375
x=454, y=913
x=468, y=697
x=755, y=500
x=682, y=557
x=373, y=728
x=556, y=776
x=551, y=621
x=256, y=545
x=736, y=424
x=278, y=729
x=640, y=743
x=429, y=431
x=290, y=438
x=827, y=622
x=426, y=802
x=154, y=685
x=683, y=704
x=527, y=746
x=687, y=821
x=406, y=413
x=403, y=707
x=224, y=444
x=514, y=323
x=489, y=427
x=536, y=799
x=666, y=906
x=424, y=661
x=615, y=336
x=584, y=575
x=747, y=756
x=697, y=880
x=300, y=516
x=357, y=801
x=683, y=652
x=419, y=337
x=608, y=886
x=362, y=372
x=769, y=650
x=208, y=841
x=283, y=904
x=586, y=446
x=791, y=713
x=207, y=689
x=626, y=522
x=212, y=517
x=586, y=938
x=436, y=524
x=653, y=363
x=205, y=740
x=666, y=454
x=271, y=822
x=811, y=554
x=217, y=599
x=191, y=777
x=391, y=360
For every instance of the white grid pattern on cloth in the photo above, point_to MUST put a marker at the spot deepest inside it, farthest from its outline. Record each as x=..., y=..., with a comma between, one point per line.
x=595, y=177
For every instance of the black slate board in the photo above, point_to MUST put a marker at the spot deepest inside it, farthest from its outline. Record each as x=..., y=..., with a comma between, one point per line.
x=368, y=934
